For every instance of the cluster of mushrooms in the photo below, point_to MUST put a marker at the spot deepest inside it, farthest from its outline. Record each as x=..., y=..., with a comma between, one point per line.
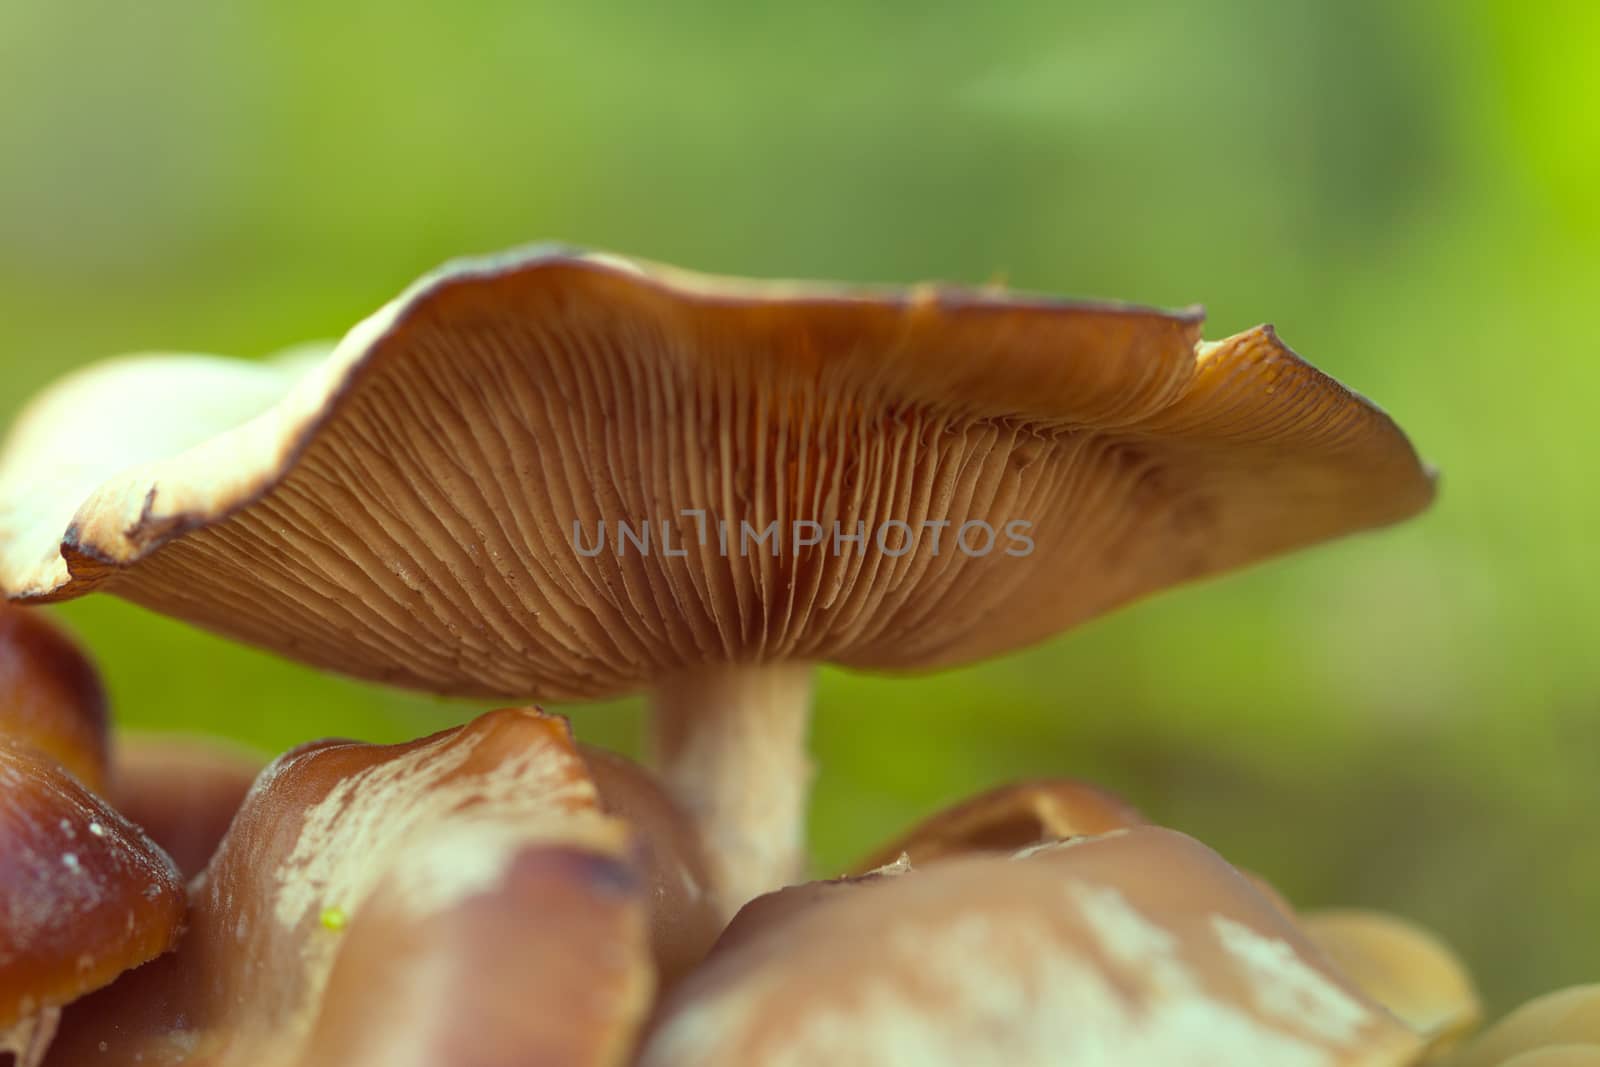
x=420, y=505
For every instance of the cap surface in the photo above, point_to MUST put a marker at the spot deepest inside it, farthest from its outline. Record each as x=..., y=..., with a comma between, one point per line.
x=426, y=896
x=1557, y=1056
x=425, y=506
x=1563, y=1026
x=183, y=791
x=1007, y=818
x=51, y=696
x=1136, y=947
x=1403, y=967
x=684, y=919
x=84, y=894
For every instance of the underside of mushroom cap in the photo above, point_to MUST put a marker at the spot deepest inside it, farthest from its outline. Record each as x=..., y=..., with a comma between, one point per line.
x=418, y=508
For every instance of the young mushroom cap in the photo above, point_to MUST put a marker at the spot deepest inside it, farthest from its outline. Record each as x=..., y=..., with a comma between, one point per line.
x=51, y=697
x=683, y=915
x=455, y=897
x=84, y=894
x=565, y=476
x=1008, y=818
x=1403, y=967
x=781, y=905
x=1140, y=946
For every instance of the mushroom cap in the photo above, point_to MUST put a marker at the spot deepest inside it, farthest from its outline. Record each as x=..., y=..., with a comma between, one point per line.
x=1139, y=946
x=1557, y=1056
x=1403, y=967
x=370, y=897
x=182, y=790
x=1007, y=818
x=415, y=508
x=684, y=916
x=51, y=697
x=549, y=964
x=1563, y=1026
x=84, y=894
x=781, y=905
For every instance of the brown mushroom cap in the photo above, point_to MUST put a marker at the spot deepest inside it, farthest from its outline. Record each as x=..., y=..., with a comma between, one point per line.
x=51, y=697
x=1140, y=946
x=84, y=894
x=406, y=511
x=183, y=791
x=1403, y=967
x=365, y=893
x=683, y=915
x=781, y=905
x=1007, y=818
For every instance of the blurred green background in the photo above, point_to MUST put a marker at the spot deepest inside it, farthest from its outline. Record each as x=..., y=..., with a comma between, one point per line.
x=1409, y=191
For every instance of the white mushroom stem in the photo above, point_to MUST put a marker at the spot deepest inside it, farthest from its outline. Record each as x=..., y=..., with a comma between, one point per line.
x=730, y=743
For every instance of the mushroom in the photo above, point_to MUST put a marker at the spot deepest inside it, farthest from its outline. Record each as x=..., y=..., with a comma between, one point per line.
x=1008, y=818
x=778, y=906
x=1557, y=1056
x=183, y=791
x=84, y=896
x=442, y=901
x=1403, y=967
x=683, y=914
x=1560, y=1029
x=565, y=476
x=51, y=696
x=1137, y=947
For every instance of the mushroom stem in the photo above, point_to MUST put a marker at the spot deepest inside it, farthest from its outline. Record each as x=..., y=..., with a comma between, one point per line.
x=730, y=743
x=29, y=1039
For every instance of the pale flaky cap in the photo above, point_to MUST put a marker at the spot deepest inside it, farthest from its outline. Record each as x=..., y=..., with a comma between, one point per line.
x=461, y=899
x=1136, y=947
x=405, y=509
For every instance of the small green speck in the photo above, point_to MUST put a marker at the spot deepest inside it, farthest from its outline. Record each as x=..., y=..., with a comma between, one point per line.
x=334, y=919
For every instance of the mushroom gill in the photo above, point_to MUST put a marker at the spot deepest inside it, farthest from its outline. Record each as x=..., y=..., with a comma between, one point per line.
x=561, y=476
